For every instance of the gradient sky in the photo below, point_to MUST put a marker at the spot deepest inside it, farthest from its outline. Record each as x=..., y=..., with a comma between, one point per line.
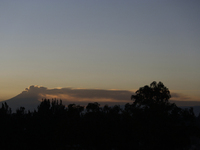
x=103, y=44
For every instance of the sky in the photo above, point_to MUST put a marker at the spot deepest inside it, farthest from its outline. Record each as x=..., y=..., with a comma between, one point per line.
x=100, y=44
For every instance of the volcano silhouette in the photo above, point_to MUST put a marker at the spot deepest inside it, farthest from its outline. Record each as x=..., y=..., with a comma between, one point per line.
x=28, y=98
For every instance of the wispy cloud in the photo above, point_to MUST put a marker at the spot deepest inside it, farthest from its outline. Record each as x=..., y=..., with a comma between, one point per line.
x=179, y=96
x=184, y=100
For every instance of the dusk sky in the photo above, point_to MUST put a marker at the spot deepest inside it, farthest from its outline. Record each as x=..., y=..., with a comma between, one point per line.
x=100, y=44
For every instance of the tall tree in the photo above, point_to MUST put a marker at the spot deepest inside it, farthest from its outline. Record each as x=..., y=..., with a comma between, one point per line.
x=164, y=124
x=156, y=93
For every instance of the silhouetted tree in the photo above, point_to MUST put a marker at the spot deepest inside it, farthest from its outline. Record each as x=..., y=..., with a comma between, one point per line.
x=57, y=108
x=115, y=109
x=75, y=108
x=165, y=124
x=93, y=107
x=5, y=109
x=20, y=111
x=106, y=109
x=75, y=111
x=44, y=107
x=150, y=95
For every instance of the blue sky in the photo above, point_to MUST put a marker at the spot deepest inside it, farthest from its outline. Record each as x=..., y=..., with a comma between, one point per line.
x=107, y=44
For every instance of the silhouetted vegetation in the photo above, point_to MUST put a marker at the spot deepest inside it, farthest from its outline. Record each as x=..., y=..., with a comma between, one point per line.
x=150, y=122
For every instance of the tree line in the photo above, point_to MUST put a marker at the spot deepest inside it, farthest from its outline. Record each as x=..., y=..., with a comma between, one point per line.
x=150, y=122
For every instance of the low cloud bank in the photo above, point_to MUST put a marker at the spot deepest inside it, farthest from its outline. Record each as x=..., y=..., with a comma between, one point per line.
x=71, y=94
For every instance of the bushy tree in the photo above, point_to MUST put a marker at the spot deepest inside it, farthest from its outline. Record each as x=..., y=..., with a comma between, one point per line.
x=156, y=93
x=165, y=123
x=93, y=107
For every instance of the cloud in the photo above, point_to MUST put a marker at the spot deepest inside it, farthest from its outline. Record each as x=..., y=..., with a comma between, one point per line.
x=79, y=95
x=183, y=100
x=179, y=96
